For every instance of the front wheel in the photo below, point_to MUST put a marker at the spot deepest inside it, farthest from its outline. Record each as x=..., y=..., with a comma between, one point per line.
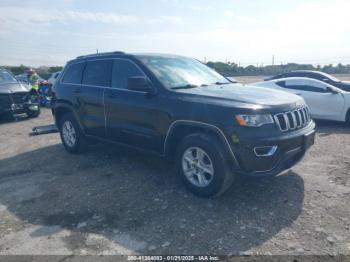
x=72, y=137
x=348, y=118
x=203, y=165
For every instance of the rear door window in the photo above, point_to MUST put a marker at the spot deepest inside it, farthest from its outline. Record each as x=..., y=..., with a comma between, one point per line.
x=73, y=74
x=98, y=73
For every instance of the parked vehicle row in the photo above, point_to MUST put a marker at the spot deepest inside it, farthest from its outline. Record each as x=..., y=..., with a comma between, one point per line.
x=181, y=109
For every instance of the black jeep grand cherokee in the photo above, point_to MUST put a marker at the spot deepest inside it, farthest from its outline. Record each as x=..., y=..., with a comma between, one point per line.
x=178, y=107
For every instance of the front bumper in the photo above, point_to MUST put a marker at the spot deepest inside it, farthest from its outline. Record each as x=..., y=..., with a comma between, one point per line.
x=19, y=108
x=289, y=150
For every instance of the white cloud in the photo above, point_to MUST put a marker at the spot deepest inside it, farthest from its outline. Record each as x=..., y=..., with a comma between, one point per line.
x=201, y=8
x=172, y=2
x=185, y=5
x=310, y=32
x=228, y=13
x=314, y=32
x=12, y=17
x=307, y=33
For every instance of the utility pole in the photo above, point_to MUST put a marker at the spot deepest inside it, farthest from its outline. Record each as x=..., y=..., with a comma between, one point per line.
x=273, y=59
x=97, y=51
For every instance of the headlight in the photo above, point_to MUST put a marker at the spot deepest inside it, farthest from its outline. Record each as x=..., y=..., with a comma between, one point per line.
x=254, y=120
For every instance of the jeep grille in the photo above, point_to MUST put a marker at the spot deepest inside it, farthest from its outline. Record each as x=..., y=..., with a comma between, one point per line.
x=293, y=120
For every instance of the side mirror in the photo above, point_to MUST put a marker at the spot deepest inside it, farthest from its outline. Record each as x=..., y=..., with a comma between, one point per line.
x=140, y=84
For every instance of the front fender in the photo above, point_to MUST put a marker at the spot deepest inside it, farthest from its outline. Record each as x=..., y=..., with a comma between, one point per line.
x=61, y=108
x=178, y=124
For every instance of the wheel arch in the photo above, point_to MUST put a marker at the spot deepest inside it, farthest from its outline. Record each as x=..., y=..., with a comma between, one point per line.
x=61, y=109
x=181, y=128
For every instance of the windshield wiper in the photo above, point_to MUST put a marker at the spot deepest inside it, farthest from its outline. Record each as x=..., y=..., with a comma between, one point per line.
x=221, y=83
x=189, y=86
x=185, y=86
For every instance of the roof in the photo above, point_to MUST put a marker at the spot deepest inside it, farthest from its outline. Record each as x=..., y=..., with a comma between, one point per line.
x=102, y=54
x=156, y=55
x=123, y=53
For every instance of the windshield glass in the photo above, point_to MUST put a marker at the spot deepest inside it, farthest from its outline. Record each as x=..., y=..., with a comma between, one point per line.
x=6, y=77
x=180, y=72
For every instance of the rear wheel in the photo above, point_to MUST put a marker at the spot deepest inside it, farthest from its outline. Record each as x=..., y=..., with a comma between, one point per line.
x=72, y=137
x=203, y=166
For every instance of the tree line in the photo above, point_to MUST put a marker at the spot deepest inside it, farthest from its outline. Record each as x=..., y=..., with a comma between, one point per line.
x=226, y=69
x=232, y=69
x=43, y=71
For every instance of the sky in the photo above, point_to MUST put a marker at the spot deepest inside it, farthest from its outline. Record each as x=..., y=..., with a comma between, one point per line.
x=245, y=32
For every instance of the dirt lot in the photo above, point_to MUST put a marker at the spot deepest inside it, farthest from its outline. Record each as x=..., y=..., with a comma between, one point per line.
x=113, y=201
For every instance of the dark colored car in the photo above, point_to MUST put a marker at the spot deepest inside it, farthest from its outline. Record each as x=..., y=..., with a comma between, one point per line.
x=329, y=79
x=16, y=98
x=179, y=108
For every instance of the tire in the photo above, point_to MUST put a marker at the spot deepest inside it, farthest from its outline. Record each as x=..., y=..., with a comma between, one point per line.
x=72, y=137
x=204, y=184
x=348, y=118
x=33, y=114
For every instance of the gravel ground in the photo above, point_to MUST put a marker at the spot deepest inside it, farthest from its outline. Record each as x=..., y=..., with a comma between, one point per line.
x=115, y=201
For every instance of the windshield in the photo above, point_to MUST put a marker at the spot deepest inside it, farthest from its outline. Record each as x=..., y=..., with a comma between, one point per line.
x=6, y=77
x=180, y=72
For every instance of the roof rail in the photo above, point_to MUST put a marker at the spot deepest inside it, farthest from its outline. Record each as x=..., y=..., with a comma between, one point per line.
x=105, y=53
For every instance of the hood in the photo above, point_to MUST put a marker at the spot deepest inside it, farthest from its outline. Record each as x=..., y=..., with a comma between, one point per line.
x=14, y=87
x=246, y=94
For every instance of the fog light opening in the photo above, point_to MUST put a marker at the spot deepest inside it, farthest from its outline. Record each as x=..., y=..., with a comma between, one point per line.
x=265, y=151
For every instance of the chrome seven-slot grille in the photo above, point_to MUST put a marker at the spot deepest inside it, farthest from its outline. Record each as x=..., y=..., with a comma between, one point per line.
x=293, y=120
